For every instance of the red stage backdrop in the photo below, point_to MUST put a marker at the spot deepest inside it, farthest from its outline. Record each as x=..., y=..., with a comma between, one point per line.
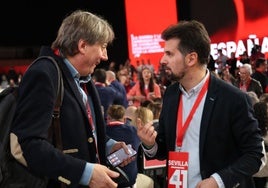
x=145, y=22
x=234, y=25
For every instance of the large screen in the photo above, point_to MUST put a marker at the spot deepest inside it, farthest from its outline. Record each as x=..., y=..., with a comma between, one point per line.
x=234, y=25
x=145, y=21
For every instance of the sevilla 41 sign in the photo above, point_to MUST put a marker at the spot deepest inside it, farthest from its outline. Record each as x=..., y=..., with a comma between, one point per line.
x=177, y=169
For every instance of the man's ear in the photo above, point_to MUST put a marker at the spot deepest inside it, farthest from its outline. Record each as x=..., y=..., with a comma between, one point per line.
x=192, y=58
x=82, y=45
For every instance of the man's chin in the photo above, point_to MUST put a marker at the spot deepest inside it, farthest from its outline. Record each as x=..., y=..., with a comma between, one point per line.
x=168, y=72
x=172, y=77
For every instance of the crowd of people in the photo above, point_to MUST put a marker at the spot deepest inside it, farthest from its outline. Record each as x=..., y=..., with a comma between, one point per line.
x=10, y=79
x=249, y=73
x=198, y=107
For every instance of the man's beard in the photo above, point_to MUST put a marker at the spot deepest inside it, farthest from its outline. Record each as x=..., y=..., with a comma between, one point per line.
x=173, y=77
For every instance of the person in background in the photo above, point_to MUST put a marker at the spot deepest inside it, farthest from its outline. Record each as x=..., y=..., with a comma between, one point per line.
x=211, y=64
x=246, y=83
x=108, y=95
x=130, y=115
x=150, y=65
x=144, y=115
x=144, y=89
x=264, y=97
x=227, y=76
x=253, y=96
x=4, y=81
x=80, y=45
x=155, y=107
x=243, y=58
x=261, y=114
x=12, y=74
x=118, y=130
x=112, y=66
x=125, y=79
x=112, y=81
x=162, y=79
x=12, y=83
x=232, y=64
x=260, y=73
x=131, y=68
x=256, y=54
x=225, y=155
x=221, y=61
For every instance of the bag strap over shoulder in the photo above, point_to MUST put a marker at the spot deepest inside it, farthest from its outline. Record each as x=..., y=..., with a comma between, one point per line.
x=60, y=89
x=55, y=132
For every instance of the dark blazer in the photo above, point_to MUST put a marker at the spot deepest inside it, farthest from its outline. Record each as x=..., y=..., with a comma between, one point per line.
x=37, y=94
x=230, y=141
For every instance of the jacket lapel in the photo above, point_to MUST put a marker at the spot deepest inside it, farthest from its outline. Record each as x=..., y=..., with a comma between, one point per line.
x=207, y=111
x=73, y=88
x=173, y=101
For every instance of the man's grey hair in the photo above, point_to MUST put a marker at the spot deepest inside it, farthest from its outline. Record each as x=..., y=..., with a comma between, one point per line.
x=82, y=25
x=247, y=67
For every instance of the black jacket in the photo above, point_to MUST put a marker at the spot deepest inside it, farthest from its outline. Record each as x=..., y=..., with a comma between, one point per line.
x=229, y=142
x=37, y=94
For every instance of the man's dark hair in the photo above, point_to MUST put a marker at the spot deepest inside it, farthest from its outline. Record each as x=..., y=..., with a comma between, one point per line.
x=193, y=38
x=99, y=75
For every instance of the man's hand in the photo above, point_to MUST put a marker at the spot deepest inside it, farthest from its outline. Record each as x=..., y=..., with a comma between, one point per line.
x=209, y=182
x=101, y=177
x=146, y=133
x=120, y=145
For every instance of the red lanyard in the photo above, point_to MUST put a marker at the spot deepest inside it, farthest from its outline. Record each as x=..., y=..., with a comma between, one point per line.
x=89, y=114
x=181, y=128
x=90, y=118
x=91, y=122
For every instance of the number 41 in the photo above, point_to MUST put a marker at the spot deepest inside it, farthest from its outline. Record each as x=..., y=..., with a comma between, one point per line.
x=176, y=179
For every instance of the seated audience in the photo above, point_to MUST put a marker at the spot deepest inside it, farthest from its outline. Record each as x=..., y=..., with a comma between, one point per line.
x=118, y=130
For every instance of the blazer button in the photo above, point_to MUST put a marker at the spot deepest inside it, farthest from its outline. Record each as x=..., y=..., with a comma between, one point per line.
x=90, y=139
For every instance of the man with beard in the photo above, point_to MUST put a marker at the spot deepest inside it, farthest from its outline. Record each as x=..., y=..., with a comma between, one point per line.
x=206, y=127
